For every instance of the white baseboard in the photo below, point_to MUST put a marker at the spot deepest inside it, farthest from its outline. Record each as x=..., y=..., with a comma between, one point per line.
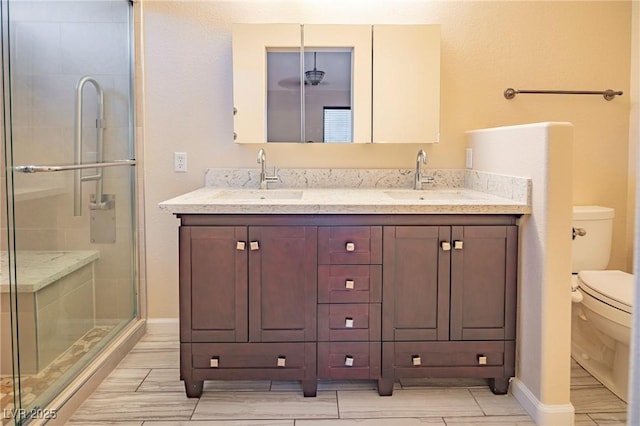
x=542, y=414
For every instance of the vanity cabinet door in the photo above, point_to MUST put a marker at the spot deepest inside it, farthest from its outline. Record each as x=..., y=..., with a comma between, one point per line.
x=483, y=282
x=415, y=283
x=282, y=283
x=406, y=83
x=213, y=284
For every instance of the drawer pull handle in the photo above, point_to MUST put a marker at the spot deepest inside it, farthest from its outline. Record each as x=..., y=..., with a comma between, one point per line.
x=349, y=284
x=446, y=245
x=457, y=245
x=350, y=247
x=253, y=245
x=348, y=322
x=482, y=360
x=214, y=362
x=415, y=360
x=282, y=361
x=240, y=245
x=348, y=361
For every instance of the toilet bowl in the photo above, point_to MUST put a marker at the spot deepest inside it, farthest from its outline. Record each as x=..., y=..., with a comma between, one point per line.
x=601, y=326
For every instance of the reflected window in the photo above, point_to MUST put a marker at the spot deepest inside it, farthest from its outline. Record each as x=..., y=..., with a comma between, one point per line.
x=338, y=124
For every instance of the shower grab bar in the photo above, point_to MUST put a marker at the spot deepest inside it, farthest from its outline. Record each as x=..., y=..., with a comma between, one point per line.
x=65, y=167
x=77, y=175
x=608, y=94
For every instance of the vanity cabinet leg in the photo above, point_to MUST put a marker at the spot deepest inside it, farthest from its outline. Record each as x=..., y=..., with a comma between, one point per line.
x=385, y=387
x=309, y=387
x=499, y=385
x=193, y=389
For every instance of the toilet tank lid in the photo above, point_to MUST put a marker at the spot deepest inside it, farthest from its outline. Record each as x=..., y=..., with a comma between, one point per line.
x=618, y=286
x=592, y=212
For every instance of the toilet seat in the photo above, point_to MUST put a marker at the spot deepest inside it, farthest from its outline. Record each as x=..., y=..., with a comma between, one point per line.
x=614, y=288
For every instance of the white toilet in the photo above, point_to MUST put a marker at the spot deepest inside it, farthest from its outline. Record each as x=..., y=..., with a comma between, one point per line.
x=602, y=301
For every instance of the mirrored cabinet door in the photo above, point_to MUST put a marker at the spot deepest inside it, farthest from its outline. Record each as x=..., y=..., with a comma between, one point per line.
x=338, y=109
x=406, y=83
x=251, y=43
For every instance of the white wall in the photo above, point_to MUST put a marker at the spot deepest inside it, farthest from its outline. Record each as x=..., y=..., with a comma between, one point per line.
x=543, y=153
x=486, y=47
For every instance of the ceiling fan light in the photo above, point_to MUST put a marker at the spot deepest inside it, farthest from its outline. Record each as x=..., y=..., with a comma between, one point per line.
x=313, y=77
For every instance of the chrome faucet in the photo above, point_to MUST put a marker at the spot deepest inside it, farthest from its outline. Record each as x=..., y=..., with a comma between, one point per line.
x=264, y=178
x=419, y=180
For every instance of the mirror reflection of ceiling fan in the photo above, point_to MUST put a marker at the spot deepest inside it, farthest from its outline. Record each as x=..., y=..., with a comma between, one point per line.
x=313, y=77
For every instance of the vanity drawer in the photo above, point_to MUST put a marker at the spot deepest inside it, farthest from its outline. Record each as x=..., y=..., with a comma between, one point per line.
x=450, y=359
x=349, y=322
x=342, y=360
x=349, y=245
x=349, y=283
x=248, y=355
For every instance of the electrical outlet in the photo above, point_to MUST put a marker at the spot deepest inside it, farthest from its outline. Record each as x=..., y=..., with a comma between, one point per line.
x=469, y=158
x=179, y=161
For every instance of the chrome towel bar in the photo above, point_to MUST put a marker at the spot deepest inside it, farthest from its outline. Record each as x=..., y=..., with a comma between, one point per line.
x=608, y=95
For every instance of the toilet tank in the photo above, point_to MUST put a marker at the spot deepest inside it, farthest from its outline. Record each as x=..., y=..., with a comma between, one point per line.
x=592, y=251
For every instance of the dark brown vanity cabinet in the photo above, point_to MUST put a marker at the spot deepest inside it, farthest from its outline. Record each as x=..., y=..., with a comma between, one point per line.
x=382, y=297
x=248, y=304
x=349, y=302
x=449, y=303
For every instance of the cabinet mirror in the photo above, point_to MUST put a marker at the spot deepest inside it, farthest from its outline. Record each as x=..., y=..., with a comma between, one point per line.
x=309, y=101
x=336, y=83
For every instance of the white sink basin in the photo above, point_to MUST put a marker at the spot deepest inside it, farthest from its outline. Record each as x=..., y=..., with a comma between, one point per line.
x=430, y=195
x=259, y=194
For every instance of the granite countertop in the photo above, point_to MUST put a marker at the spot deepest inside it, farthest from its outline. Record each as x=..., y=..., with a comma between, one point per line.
x=234, y=191
x=211, y=200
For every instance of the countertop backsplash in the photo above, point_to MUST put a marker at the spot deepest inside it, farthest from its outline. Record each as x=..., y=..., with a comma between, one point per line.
x=510, y=187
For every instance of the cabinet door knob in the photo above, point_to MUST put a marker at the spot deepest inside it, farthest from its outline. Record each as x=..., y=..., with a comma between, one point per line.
x=349, y=284
x=214, y=362
x=350, y=247
x=253, y=245
x=348, y=361
x=348, y=322
x=282, y=361
x=235, y=136
x=240, y=245
x=446, y=245
x=457, y=245
x=235, y=110
x=415, y=360
x=482, y=360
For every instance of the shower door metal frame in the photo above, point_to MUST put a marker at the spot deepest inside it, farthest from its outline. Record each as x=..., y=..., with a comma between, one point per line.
x=9, y=244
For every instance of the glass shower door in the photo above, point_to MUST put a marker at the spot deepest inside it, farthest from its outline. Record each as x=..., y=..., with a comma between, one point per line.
x=69, y=241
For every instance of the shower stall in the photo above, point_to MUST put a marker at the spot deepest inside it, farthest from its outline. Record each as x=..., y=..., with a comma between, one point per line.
x=68, y=259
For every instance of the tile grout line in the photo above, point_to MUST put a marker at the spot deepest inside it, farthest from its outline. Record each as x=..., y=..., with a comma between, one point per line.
x=484, y=413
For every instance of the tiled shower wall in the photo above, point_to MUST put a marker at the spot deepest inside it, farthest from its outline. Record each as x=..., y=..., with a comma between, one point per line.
x=54, y=44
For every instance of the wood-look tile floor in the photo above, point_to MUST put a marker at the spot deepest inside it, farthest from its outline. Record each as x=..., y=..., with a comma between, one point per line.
x=145, y=390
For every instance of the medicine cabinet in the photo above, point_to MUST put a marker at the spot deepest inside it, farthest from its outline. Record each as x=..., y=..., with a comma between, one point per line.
x=336, y=83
